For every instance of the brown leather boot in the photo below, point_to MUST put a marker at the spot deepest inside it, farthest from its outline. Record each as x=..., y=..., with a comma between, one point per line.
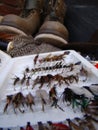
x=28, y=25
x=53, y=30
x=12, y=24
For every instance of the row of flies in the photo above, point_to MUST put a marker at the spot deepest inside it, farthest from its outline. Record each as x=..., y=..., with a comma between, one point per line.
x=47, y=78
x=58, y=64
x=68, y=95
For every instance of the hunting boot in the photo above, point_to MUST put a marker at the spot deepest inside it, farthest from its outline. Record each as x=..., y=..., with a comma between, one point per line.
x=12, y=25
x=53, y=31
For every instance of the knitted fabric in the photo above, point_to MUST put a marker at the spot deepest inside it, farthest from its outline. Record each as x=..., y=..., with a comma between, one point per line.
x=23, y=45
